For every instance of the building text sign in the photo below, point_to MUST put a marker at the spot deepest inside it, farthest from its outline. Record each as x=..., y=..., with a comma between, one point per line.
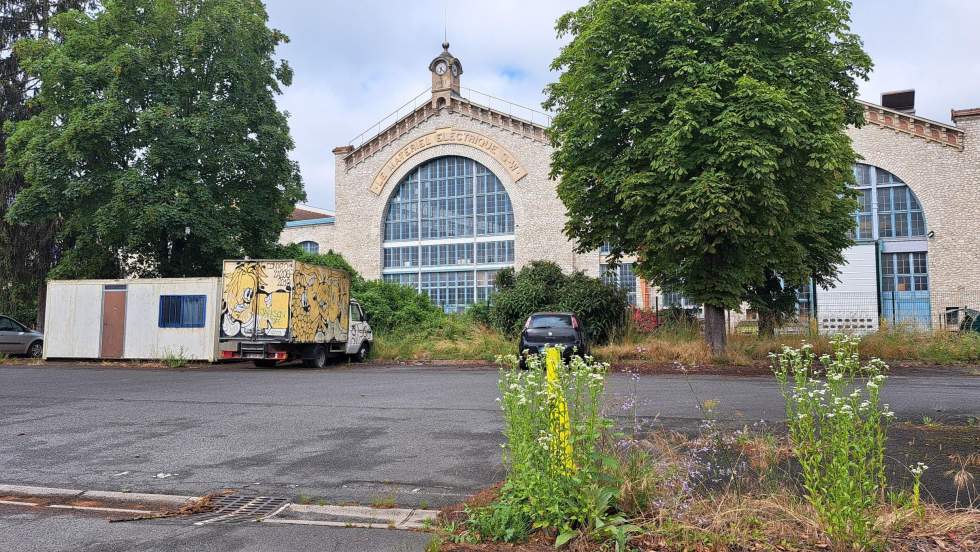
x=448, y=136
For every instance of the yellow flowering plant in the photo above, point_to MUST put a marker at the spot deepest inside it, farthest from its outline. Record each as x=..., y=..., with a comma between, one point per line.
x=553, y=425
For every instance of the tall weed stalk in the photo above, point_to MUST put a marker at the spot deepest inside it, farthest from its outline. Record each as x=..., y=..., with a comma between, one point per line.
x=553, y=425
x=837, y=427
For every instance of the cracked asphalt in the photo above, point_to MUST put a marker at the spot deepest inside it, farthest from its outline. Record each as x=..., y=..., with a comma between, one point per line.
x=421, y=435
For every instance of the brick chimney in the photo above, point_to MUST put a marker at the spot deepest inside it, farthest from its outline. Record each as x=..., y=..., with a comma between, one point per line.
x=902, y=101
x=965, y=115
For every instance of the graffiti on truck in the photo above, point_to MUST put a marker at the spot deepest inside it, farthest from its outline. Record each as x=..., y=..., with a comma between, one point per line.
x=255, y=299
x=318, y=305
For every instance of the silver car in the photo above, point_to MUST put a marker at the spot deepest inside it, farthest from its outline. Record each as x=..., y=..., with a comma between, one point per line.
x=17, y=339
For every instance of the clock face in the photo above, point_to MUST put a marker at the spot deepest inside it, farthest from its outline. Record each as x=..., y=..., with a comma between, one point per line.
x=441, y=68
x=455, y=71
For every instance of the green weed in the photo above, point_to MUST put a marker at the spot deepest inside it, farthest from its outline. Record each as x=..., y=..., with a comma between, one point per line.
x=837, y=428
x=175, y=358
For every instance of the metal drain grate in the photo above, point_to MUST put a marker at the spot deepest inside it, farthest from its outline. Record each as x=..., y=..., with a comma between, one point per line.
x=240, y=509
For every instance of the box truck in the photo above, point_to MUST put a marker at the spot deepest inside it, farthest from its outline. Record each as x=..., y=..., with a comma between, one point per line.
x=274, y=311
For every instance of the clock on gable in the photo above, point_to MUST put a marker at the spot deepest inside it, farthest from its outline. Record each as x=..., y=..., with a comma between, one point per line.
x=446, y=70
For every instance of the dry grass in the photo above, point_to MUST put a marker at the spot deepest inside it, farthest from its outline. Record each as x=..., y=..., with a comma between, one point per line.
x=688, y=348
x=760, y=510
x=470, y=342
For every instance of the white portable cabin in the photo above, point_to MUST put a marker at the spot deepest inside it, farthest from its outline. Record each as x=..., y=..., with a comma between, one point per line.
x=132, y=319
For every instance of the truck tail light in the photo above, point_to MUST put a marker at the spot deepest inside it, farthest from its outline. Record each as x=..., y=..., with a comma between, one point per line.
x=281, y=355
x=228, y=354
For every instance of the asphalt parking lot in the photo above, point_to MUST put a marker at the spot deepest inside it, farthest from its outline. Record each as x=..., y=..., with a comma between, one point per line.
x=419, y=435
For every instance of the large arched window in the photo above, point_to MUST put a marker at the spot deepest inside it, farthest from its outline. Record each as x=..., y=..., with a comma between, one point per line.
x=890, y=214
x=888, y=208
x=449, y=228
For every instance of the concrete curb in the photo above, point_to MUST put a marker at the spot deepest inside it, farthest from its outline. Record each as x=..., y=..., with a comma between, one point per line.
x=388, y=518
x=27, y=490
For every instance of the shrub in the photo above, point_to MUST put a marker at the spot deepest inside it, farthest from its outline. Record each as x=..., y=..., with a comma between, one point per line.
x=541, y=286
x=328, y=259
x=394, y=307
x=837, y=430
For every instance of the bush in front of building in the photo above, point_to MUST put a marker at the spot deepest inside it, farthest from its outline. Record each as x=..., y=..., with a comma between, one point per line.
x=541, y=286
x=397, y=308
x=392, y=307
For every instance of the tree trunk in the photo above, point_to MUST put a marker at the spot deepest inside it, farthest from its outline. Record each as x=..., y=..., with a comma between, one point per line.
x=42, y=299
x=767, y=324
x=715, y=332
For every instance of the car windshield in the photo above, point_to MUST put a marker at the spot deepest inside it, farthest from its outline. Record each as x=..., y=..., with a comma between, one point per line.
x=550, y=321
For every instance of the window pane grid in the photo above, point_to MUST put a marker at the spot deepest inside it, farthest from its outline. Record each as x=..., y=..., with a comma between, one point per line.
x=622, y=277
x=449, y=198
x=896, y=211
x=904, y=272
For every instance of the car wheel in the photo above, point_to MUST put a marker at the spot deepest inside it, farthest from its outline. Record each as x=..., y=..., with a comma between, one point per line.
x=35, y=350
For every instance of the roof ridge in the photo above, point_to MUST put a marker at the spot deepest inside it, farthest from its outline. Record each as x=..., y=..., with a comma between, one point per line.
x=353, y=156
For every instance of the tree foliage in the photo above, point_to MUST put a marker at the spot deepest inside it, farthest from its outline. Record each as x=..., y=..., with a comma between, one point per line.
x=27, y=249
x=707, y=137
x=541, y=287
x=156, y=142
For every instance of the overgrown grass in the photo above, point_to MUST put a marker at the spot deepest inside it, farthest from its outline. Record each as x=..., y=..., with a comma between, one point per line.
x=459, y=337
x=688, y=347
x=748, y=489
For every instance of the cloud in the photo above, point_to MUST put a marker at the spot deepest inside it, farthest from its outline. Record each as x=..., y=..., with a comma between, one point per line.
x=356, y=62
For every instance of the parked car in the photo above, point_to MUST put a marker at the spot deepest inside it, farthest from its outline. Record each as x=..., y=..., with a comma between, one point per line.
x=552, y=329
x=18, y=339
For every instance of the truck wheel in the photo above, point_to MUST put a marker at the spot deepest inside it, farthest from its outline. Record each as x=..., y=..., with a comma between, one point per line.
x=362, y=354
x=319, y=358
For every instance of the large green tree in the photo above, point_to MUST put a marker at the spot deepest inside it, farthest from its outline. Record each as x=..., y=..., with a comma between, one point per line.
x=156, y=141
x=705, y=136
x=27, y=250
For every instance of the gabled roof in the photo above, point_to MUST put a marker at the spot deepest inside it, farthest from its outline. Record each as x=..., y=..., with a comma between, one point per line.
x=918, y=127
x=463, y=106
x=305, y=215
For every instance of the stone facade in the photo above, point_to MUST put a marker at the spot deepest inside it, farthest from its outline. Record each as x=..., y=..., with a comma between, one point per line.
x=942, y=168
x=324, y=234
x=940, y=163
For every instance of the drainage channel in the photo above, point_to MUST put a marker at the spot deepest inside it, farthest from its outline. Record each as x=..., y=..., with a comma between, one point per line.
x=239, y=509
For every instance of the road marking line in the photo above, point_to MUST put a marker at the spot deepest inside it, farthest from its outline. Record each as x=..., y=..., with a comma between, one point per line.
x=102, y=509
x=15, y=503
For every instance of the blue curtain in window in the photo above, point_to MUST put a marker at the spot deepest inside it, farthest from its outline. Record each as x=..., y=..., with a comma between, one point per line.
x=182, y=311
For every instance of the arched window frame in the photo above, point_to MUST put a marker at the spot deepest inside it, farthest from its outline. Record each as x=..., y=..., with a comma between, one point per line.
x=877, y=216
x=309, y=246
x=448, y=228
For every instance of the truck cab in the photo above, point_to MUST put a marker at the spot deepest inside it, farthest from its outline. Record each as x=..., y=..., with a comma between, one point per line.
x=360, y=337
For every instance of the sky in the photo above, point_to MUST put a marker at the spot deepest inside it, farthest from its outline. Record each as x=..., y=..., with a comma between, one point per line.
x=357, y=62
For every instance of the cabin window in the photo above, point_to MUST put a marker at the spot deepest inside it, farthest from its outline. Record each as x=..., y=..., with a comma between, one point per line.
x=183, y=311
